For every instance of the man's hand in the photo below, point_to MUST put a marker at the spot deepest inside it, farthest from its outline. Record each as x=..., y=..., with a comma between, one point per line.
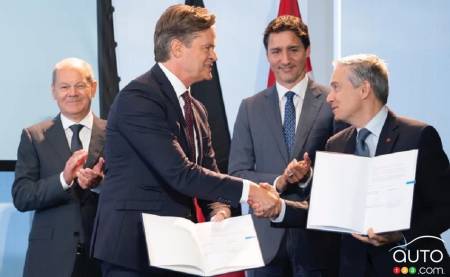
x=73, y=165
x=220, y=211
x=294, y=172
x=379, y=239
x=264, y=200
x=90, y=178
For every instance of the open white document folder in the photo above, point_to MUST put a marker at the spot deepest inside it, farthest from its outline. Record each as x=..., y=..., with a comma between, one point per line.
x=205, y=249
x=351, y=194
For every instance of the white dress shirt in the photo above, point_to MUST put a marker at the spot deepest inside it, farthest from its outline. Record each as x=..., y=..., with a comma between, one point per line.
x=375, y=125
x=85, y=137
x=299, y=91
x=180, y=88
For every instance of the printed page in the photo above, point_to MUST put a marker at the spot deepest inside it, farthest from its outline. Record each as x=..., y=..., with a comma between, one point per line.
x=172, y=243
x=206, y=249
x=230, y=245
x=390, y=191
x=338, y=194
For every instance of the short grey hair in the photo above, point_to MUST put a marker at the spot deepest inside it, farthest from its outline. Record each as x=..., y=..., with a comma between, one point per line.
x=74, y=63
x=370, y=68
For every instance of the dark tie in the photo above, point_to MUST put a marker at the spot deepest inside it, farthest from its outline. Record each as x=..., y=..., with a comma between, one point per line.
x=190, y=120
x=75, y=144
x=289, y=121
x=361, y=148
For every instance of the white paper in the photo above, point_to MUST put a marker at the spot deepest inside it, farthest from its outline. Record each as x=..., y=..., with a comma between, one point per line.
x=351, y=193
x=208, y=248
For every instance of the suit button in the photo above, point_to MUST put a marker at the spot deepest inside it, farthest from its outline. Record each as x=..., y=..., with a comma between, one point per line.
x=76, y=234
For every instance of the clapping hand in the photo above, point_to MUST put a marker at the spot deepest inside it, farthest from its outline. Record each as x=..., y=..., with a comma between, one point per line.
x=91, y=177
x=294, y=172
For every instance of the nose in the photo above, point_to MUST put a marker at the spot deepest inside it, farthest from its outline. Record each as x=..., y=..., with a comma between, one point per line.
x=213, y=55
x=330, y=97
x=284, y=57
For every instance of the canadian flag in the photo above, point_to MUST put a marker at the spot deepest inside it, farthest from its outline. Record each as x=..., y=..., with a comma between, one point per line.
x=288, y=7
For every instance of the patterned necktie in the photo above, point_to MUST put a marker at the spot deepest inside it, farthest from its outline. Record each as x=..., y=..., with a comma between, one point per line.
x=289, y=121
x=75, y=143
x=189, y=118
x=361, y=148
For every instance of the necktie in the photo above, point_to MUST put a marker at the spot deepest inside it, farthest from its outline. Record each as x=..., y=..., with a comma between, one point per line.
x=361, y=148
x=189, y=118
x=75, y=144
x=289, y=121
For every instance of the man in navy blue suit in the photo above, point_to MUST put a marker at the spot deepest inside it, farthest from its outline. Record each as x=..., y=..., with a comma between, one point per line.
x=358, y=96
x=158, y=152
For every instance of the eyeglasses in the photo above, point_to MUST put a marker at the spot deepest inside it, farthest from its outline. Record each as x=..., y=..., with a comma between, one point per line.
x=80, y=87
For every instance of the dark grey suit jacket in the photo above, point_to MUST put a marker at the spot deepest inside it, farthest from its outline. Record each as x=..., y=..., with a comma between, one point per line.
x=259, y=153
x=62, y=219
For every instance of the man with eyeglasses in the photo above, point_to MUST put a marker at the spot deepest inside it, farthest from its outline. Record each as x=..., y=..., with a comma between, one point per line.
x=59, y=165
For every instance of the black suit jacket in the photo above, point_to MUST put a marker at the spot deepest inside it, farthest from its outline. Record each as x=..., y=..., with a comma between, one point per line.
x=62, y=219
x=148, y=169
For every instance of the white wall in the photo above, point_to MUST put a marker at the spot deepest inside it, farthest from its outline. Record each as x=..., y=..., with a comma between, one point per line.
x=34, y=36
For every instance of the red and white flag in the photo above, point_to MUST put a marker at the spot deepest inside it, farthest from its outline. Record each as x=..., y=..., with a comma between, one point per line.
x=288, y=7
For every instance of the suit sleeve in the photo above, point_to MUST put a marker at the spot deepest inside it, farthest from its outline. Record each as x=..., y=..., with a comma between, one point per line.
x=431, y=207
x=142, y=119
x=30, y=190
x=242, y=154
x=295, y=215
x=209, y=160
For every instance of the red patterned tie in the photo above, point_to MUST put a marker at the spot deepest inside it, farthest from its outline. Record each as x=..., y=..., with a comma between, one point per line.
x=190, y=120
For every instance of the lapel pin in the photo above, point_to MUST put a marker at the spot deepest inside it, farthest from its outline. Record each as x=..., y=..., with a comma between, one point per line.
x=388, y=140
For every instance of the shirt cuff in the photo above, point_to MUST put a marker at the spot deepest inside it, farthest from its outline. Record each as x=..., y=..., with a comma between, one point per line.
x=305, y=184
x=280, y=217
x=245, y=191
x=275, y=185
x=64, y=185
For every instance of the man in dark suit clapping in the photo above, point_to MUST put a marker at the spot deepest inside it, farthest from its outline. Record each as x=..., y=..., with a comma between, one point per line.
x=58, y=163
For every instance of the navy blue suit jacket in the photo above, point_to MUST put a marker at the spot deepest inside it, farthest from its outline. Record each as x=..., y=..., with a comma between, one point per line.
x=147, y=169
x=431, y=202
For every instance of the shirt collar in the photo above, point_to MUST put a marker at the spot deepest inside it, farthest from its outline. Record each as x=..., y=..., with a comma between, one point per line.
x=176, y=83
x=299, y=89
x=87, y=121
x=375, y=125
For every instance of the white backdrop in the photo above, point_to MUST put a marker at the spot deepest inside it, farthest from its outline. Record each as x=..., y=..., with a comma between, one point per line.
x=34, y=36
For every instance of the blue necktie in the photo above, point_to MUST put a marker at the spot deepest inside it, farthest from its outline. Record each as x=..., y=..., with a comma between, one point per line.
x=289, y=121
x=361, y=148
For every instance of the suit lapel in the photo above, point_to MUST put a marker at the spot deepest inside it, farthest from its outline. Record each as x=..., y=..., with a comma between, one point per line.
x=198, y=130
x=169, y=93
x=57, y=139
x=273, y=117
x=350, y=141
x=310, y=108
x=388, y=135
x=96, y=144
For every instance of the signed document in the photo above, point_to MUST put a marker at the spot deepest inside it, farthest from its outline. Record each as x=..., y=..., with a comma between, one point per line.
x=205, y=249
x=351, y=194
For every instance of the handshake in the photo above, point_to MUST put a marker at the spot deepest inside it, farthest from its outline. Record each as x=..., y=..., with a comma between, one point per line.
x=264, y=200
